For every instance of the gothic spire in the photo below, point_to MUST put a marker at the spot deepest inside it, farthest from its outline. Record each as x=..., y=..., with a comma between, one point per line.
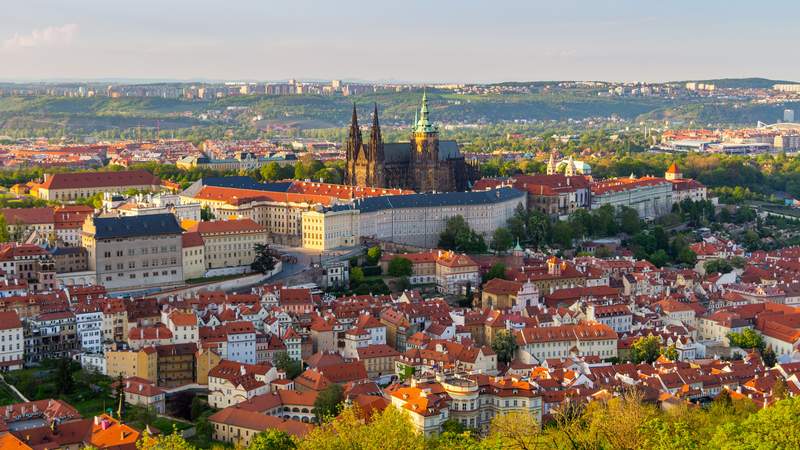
x=375, y=140
x=354, y=137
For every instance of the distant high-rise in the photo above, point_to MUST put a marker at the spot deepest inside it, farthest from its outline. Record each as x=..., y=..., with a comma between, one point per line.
x=788, y=115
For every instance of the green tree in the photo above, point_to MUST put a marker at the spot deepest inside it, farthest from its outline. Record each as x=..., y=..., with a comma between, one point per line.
x=329, y=402
x=504, y=345
x=4, y=234
x=271, y=172
x=291, y=367
x=645, y=349
x=562, y=235
x=400, y=267
x=206, y=214
x=498, y=270
x=373, y=255
x=774, y=427
x=199, y=406
x=65, y=382
x=769, y=357
x=389, y=429
x=629, y=221
x=453, y=426
x=502, y=240
x=659, y=258
x=779, y=389
x=747, y=339
x=687, y=256
x=671, y=353
x=171, y=441
x=146, y=415
x=264, y=262
x=717, y=266
x=458, y=236
x=272, y=440
x=356, y=276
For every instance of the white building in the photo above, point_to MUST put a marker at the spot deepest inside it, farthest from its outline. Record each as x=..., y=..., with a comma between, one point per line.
x=650, y=197
x=419, y=219
x=12, y=343
x=241, y=342
x=89, y=327
x=587, y=339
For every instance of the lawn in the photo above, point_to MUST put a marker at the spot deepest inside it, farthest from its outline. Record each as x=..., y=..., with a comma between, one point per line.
x=7, y=396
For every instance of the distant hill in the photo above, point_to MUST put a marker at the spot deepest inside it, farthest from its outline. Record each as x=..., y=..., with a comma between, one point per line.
x=743, y=83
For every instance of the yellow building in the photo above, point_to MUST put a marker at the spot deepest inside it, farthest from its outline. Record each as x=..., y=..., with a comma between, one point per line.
x=194, y=265
x=331, y=228
x=230, y=243
x=130, y=363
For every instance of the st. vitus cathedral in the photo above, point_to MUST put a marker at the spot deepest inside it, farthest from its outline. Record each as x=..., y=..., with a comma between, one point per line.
x=424, y=164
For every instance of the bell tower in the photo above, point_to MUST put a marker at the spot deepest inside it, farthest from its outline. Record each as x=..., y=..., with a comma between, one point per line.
x=425, y=151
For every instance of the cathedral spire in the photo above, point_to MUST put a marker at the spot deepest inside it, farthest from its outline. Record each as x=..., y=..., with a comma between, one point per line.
x=352, y=147
x=375, y=139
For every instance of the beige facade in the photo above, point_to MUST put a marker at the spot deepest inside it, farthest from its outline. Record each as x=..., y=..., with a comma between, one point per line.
x=281, y=219
x=330, y=229
x=230, y=243
x=194, y=256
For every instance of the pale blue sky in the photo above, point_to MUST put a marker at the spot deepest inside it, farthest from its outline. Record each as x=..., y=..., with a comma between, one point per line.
x=408, y=40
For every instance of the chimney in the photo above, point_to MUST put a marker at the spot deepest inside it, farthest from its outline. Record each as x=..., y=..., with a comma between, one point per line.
x=97, y=420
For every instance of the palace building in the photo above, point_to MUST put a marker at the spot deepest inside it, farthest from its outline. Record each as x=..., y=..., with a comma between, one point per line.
x=424, y=164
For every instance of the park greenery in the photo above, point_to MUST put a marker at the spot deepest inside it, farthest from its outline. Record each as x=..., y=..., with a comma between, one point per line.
x=623, y=422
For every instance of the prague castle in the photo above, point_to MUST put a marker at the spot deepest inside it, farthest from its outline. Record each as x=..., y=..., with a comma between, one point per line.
x=424, y=164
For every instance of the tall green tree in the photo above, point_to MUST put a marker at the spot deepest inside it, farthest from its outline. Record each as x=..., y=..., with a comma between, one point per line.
x=264, y=262
x=374, y=255
x=400, y=267
x=329, y=402
x=272, y=440
x=502, y=240
x=505, y=346
x=4, y=234
x=645, y=349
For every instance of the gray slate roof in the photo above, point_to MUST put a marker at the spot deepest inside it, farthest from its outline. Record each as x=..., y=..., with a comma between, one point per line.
x=371, y=204
x=242, y=182
x=133, y=226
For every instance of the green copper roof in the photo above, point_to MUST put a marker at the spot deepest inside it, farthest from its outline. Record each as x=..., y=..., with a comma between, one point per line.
x=423, y=125
x=517, y=247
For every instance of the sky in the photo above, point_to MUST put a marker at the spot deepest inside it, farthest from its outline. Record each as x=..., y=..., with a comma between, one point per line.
x=398, y=40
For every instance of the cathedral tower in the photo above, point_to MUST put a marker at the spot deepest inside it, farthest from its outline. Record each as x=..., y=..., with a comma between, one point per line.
x=425, y=152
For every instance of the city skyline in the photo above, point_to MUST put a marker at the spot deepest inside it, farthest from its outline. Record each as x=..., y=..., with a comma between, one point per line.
x=409, y=42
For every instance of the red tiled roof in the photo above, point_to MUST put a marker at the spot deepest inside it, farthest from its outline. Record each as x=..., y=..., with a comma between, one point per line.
x=9, y=320
x=234, y=196
x=191, y=239
x=499, y=286
x=258, y=422
x=100, y=179
x=28, y=216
